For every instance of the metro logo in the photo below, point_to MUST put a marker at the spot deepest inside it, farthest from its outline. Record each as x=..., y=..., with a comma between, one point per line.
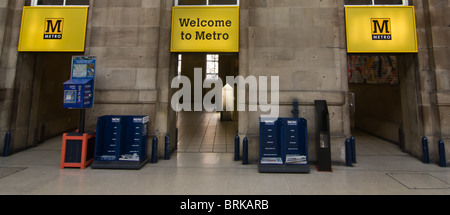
x=53, y=28
x=381, y=29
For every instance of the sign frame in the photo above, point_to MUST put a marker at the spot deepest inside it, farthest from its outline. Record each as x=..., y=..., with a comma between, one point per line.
x=349, y=36
x=33, y=39
x=210, y=49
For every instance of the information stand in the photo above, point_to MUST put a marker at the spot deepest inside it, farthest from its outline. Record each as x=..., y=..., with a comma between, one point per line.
x=78, y=147
x=283, y=146
x=79, y=90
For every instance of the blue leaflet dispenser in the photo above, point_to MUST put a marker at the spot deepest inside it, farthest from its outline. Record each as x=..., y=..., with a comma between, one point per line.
x=79, y=90
x=78, y=93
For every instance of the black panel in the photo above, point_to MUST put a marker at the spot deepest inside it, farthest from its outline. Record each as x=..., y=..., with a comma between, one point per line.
x=73, y=151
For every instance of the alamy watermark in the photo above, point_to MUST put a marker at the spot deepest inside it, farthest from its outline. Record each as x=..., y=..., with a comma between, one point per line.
x=258, y=92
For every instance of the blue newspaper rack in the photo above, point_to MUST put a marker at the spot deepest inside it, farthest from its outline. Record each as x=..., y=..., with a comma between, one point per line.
x=283, y=146
x=121, y=142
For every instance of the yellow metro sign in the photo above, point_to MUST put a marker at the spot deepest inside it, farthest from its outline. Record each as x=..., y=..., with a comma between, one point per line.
x=53, y=29
x=205, y=29
x=381, y=29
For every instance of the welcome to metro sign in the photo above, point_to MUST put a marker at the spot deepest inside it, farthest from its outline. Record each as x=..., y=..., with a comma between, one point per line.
x=205, y=29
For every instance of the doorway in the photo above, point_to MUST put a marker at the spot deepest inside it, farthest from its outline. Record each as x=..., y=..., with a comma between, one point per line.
x=203, y=131
x=375, y=92
x=48, y=118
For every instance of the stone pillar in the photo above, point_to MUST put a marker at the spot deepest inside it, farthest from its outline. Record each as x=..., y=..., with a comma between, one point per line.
x=435, y=72
x=13, y=91
x=429, y=79
x=131, y=40
x=303, y=43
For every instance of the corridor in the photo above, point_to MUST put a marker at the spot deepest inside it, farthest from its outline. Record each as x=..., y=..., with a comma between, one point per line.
x=205, y=132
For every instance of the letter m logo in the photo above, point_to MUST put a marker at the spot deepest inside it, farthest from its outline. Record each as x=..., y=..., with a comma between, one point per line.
x=53, y=28
x=381, y=26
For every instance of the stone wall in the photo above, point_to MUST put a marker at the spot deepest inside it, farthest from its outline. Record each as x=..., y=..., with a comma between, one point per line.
x=439, y=15
x=3, y=90
x=433, y=27
x=124, y=35
x=130, y=40
x=302, y=42
x=11, y=76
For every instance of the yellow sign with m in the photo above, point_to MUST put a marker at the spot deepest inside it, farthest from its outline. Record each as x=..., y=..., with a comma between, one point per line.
x=381, y=29
x=53, y=29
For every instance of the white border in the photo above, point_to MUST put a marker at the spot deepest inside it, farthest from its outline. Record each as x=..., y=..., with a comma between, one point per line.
x=207, y=4
x=34, y=3
x=404, y=3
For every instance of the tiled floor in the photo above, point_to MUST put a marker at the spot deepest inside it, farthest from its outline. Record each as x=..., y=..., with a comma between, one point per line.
x=381, y=168
x=204, y=132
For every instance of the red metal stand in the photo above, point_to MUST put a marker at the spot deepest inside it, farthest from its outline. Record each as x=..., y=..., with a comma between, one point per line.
x=86, y=159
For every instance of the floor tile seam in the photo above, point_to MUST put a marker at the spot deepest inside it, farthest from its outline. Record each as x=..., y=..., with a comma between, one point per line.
x=428, y=173
x=415, y=188
x=18, y=168
x=288, y=184
x=13, y=172
x=215, y=134
x=29, y=165
x=43, y=150
x=374, y=155
x=383, y=171
x=203, y=137
x=187, y=145
x=204, y=167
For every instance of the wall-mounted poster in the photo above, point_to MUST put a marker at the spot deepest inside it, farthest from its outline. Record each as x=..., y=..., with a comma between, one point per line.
x=372, y=69
x=83, y=67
